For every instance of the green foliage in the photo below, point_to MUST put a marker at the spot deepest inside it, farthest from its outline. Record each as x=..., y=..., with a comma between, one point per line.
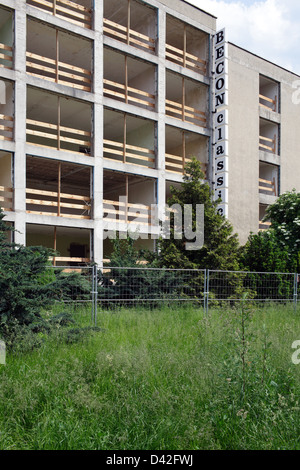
x=22, y=294
x=263, y=253
x=220, y=243
x=121, y=286
x=284, y=215
x=28, y=285
x=276, y=249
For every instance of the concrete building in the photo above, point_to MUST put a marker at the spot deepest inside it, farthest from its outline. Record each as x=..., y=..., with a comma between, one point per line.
x=103, y=103
x=264, y=118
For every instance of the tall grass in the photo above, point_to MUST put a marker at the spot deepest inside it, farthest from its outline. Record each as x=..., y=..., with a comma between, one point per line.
x=158, y=379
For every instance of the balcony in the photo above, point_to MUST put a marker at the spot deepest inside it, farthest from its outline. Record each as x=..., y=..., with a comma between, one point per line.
x=268, y=94
x=57, y=122
x=58, y=57
x=181, y=147
x=268, y=181
x=263, y=225
x=131, y=22
x=268, y=186
x=128, y=139
x=72, y=244
x=6, y=183
x=57, y=188
x=129, y=80
x=79, y=13
x=186, y=100
x=128, y=199
x=6, y=39
x=268, y=137
x=6, y=111
x=186, y=46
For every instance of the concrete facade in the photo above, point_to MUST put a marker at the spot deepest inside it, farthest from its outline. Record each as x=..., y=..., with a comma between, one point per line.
x=105, y=104
x=254, y=161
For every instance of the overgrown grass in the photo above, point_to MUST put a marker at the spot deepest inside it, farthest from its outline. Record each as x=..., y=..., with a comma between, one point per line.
x=168, y=378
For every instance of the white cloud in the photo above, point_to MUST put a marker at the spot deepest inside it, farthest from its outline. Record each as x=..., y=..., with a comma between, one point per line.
x=269, y=28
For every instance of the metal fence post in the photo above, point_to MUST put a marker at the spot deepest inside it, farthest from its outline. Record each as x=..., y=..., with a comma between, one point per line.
x=95, y=293
x=295, y=291
x=204, y=293
x=207, y=291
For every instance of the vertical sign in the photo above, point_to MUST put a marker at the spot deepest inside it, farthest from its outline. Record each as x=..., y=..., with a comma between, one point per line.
x=221, y=121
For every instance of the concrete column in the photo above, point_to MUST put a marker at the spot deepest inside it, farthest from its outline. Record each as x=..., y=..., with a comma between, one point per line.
x=161, y=101
x=20, y=122
x=98, y=134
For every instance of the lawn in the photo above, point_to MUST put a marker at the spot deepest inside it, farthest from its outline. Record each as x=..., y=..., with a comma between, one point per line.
x=162, y=379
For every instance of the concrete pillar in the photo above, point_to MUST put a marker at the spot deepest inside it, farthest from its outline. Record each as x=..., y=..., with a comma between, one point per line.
x=161, y=101
x=20, y=123
x=98, y=134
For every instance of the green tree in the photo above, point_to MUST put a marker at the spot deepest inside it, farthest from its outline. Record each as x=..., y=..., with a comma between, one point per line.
x=284, y=215
x=125, y=280
x=22, y=294
x=221, y=245
x=264, y=253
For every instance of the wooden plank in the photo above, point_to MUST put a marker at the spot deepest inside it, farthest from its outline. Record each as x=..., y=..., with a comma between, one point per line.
x=123, y=204
x=140, y=149
x=74, y=85
x=76, y=6
x=54, y=214
x=75, y=68
x=267, y=139
x=6, y=189
x=43, y=77
x=114, y=33
x=55, y=194
x=31, y=55
x=174, y=165
x=76, y=22
x=80, y=16
x=266, y=98
x=5, y=47
x=68, y=258
x=42, y=202
x=44, y=3
x=43, y=68
x=6, y=128
x=133, y=90
x=131, y=33
x=6, y=118
x=266, y=147
x=75, y=141
x=261, y=180
x=113, y=143
x=6, y=57
x=139, y=157
x=41, y=134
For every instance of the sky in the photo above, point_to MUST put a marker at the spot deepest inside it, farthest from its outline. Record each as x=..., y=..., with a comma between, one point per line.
x=268, y=28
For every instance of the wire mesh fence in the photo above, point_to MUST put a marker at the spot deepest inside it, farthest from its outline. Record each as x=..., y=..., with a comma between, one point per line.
x=261, y=287
x=150, y=286
x=114, y=287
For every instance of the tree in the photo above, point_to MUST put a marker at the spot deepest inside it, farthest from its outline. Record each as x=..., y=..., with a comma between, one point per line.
x=263, y=253
x=284, y=215
x=22, y=294
x=220, y=243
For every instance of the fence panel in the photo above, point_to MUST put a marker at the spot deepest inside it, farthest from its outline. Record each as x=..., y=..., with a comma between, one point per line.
x=149, y=286
x=232, y=286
